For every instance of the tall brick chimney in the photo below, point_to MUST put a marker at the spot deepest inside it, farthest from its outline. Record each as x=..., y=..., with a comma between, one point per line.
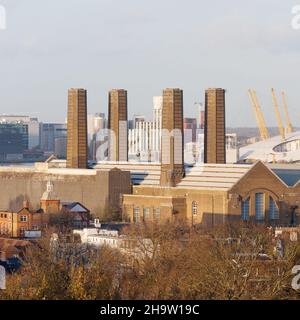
x=172, y=158
x=215, y=131
x=77, y=149
x=117, y=123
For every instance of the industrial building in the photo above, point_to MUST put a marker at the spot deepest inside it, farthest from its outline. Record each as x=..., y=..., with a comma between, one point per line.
x=171, y=191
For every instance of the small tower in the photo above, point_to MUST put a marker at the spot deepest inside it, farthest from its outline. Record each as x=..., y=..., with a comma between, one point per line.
x=26, y=204
x=49, y=201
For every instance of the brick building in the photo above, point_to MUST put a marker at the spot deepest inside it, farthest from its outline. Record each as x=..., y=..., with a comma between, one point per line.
x=17, y=224
x=214, y=194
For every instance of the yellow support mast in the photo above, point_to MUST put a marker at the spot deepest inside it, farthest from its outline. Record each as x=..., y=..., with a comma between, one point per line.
x=264, y=134
x=278, y=116
x=289, y=126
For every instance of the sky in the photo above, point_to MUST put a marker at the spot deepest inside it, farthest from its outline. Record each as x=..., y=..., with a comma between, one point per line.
x=144, y=47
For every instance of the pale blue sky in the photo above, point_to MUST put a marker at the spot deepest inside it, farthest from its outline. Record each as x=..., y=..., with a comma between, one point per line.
x=144, y=46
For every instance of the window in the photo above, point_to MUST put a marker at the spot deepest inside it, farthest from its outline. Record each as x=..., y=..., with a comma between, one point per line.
x=22, y=230
x=194, y=208
x=157, y=215
x=259, y=207
x=245, y=209
x=146, y=214
x=136, y=215
x=23, y=218
x=273, y=210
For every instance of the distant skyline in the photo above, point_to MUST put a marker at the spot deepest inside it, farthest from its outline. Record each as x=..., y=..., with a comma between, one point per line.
x=144, y=47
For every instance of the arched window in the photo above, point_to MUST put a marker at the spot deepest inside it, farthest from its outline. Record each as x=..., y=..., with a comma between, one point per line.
x=157, y=215
x=245, y=209
x=194, y=208
x=259, y=207
x=146, y=214
x=273, y=210
x=136, y=215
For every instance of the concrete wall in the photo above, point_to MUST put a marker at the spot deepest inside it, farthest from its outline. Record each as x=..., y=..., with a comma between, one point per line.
x=90, y=187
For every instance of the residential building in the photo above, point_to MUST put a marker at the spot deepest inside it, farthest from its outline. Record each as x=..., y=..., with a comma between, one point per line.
x=26, y=222
x=129, y=246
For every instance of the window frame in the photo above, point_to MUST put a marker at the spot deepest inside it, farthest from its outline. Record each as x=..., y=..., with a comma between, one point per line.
x=194, y=208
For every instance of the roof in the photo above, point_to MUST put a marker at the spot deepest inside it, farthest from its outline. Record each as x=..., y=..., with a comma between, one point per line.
x=141, y=173
x=12, y=247
x=267, y=150
x=288, y=173
x=214, y=176
x=203, y=176
x=221, y=177
x=75, y=207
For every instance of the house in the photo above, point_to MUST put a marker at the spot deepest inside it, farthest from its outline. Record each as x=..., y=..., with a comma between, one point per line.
x=11, y=252
x=27, y=223
x=78, y=214
x=17, y=224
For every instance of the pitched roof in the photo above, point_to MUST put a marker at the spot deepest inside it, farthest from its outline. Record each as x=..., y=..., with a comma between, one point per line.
x=202, y=176
x=288, y=173
x=214, y=176
x=75, y=207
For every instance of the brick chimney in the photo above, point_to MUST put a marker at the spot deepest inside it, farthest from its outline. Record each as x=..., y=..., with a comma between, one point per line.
x=215, y=130
x=172, y=158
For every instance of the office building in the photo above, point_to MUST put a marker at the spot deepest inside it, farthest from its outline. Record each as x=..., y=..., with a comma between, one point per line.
x=31, y=122
x=144, y=140
x=53, y=139
x=200, y=115
x=97, y=137
x=190, y=130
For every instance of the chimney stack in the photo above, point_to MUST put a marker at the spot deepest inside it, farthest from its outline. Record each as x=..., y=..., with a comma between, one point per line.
x=117, y=123
x=77, y=150
x=172, y=158
x=215, y=131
